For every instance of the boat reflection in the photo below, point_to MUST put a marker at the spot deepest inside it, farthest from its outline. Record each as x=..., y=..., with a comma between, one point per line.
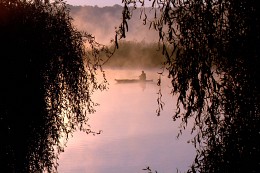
x=141, y=83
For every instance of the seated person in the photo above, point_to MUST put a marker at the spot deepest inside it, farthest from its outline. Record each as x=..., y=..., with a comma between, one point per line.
x=142, y=76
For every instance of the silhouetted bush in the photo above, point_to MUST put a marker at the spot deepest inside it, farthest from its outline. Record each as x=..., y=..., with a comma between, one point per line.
x=136, y=55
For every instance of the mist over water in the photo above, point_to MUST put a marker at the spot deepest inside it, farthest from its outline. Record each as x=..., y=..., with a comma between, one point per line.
x=102, y=22
x=132, y=137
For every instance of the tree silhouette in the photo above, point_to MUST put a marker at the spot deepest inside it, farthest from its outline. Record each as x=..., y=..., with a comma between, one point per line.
x=45, y=91
x=214, y=66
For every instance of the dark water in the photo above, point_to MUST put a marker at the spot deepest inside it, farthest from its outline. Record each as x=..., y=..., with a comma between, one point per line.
x=133, y=136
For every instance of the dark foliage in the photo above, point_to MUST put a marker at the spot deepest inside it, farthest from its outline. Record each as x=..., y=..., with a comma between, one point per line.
x=45, y=91
x=215, y=75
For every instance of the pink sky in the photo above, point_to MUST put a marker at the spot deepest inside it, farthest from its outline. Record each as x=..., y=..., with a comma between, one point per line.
x=100, y=3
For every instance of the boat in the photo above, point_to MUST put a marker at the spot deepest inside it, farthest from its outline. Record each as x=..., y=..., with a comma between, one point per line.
x=131, y=80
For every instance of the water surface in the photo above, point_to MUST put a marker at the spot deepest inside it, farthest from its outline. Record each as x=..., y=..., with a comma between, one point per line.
x=132, y=137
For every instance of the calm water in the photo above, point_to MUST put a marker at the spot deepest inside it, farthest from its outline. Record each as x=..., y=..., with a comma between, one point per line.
x=133, y=136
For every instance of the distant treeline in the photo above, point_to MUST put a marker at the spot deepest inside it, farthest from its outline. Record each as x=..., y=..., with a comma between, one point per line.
x=132, y=54
x=135, y=53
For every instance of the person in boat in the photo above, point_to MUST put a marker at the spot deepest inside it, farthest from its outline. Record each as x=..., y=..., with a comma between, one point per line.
x=142, y=76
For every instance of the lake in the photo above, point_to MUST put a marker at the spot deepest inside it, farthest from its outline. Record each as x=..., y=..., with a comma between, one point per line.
x=133, y=136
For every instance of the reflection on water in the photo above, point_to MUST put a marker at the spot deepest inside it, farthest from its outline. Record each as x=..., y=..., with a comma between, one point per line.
x=133, y=136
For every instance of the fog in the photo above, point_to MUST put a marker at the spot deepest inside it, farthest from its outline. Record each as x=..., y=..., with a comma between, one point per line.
x=102, y=22
x=132, y=137
x=140, y=48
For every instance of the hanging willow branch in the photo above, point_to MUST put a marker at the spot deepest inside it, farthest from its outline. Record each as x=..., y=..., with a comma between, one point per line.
x=48, y=75
x=213, y=62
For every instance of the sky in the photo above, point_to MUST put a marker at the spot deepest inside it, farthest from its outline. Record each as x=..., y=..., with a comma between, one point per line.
x=99, y=3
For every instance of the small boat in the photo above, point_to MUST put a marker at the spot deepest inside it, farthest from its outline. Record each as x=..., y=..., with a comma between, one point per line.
x=131, y=80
